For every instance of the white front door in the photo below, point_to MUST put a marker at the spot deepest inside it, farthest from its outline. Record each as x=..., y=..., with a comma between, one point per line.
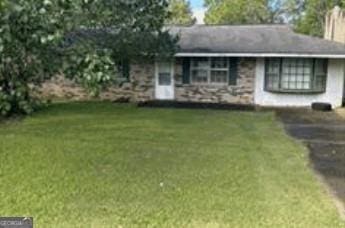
x=165, y=81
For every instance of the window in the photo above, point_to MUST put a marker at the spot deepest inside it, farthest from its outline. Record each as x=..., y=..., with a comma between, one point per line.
x=210, y=71
x=164, y=74
x=123, y=70
x=296, y=75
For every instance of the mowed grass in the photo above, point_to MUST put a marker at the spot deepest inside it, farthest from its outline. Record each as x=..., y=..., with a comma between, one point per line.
x=108, y=165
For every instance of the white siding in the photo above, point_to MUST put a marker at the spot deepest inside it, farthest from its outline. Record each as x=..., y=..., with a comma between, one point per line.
x=333, y=94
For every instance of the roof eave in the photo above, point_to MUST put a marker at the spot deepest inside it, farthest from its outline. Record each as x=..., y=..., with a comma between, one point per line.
x=329, y=56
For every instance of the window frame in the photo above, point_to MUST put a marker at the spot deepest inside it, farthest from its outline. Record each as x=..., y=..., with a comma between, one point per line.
x=209, y=70
x=313, y=75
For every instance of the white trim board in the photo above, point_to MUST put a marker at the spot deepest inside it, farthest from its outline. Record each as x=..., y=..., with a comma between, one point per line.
x=329, y=56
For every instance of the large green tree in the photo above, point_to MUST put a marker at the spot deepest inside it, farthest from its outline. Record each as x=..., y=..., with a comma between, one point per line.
x=242, y=11
x=311, y=19
x=117, y=31
x=180, y=13
x=28, y=31
x=35, y=42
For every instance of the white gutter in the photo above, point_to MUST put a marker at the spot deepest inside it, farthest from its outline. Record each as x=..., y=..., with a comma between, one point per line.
x=329, y=56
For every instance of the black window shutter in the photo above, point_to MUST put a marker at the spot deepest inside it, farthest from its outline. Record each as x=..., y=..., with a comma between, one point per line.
x=125, y=69
x=233, y=71
x=186, y=71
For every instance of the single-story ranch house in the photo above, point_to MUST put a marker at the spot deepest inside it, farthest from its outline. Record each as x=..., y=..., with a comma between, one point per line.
x=263, y=65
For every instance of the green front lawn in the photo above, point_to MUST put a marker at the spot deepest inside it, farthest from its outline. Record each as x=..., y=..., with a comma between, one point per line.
x=107, y=165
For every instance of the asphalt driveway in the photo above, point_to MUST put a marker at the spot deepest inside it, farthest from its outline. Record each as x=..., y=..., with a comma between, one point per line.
x=324, y=135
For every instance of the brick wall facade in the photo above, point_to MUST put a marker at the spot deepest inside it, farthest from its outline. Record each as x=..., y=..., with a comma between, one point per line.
x=139, y=88
x=242, y=93
x=142, y=87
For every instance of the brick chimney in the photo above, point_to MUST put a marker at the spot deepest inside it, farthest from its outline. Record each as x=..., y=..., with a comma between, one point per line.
x=335, y=25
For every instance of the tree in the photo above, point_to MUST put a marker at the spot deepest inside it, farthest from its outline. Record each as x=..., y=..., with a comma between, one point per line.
x=28, y=31
x=180, y=13
x=117, y=31
x=312, y=20
x=33, y=42
x=293, y=10
x=238, y=12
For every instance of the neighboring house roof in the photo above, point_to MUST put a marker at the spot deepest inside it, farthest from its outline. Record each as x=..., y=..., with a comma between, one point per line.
x=252, y=40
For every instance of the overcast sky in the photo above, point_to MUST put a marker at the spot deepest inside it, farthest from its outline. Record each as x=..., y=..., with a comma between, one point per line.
x=198, y=9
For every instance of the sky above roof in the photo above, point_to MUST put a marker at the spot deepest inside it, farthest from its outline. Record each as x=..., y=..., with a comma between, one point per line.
x=198, y=10
x=197, y=4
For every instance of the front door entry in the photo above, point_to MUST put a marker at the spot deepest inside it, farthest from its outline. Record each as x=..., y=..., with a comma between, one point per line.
x=164, y=81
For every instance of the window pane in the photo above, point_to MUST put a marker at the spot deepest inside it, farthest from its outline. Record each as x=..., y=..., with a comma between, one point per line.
x=273, y=66
x=320, y=82
x=320, y=66
x=320, y=77
x=200, y=63
x=123, y=68
x=199, y=76
x=219, y=76
x=164, y=79
x=219, y=63
x=272, y=74
x=296, y=74
x=164, y=67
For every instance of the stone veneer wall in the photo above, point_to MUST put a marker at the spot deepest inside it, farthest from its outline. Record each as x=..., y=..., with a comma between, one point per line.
x=140, y=87
x=242, y=93
x=142, y=82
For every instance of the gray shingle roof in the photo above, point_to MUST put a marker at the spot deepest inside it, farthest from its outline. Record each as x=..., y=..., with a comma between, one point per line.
x=260, y=40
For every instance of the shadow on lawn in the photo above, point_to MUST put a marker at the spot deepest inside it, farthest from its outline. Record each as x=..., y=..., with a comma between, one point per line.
x=324, y=135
